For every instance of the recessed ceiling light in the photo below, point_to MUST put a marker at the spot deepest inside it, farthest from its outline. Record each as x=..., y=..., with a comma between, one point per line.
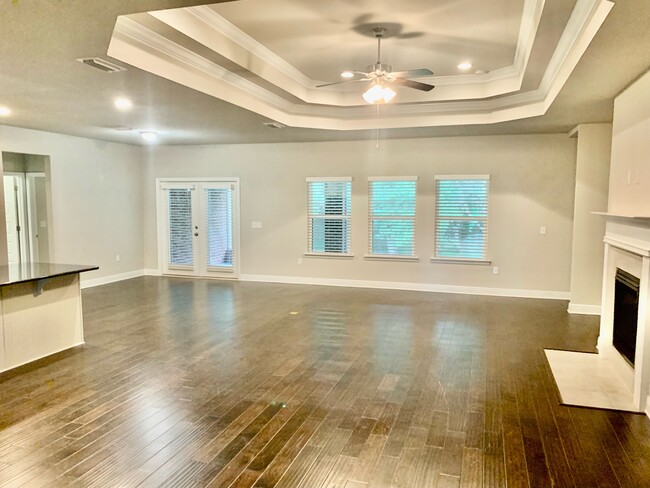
x=122, y=103
x=274, y=125
x=149, y=135
x=5, y=111
x=464, y=65
x=347, y=74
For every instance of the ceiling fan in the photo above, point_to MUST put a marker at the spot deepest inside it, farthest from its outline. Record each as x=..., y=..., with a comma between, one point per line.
x=381, y=74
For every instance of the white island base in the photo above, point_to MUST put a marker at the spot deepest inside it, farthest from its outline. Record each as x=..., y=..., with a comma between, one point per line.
x=40, y=315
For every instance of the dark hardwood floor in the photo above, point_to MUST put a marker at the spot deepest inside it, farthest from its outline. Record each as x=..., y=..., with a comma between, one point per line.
x=191, y=383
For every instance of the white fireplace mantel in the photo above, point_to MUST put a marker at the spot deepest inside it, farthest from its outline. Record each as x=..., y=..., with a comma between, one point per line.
x=634, y=219
x=627, y=246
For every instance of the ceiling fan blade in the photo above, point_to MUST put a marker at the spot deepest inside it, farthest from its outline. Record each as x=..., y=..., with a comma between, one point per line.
x=412, y=73
x=413, y=84
x=341, y=82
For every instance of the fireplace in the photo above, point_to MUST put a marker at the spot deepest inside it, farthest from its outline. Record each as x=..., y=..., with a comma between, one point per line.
x=624, y=341
x=626, y=310
x=618, y=377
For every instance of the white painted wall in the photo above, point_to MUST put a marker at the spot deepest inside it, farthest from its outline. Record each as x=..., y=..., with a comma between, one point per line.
x=629, y=186
x=532, y=185
x=96, y=199
x=592, y=183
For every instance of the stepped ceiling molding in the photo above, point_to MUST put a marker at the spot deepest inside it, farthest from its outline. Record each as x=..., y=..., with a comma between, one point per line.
x=268, y=56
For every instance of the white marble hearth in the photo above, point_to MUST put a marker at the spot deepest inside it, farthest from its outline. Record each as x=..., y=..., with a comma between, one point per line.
x=589, y=380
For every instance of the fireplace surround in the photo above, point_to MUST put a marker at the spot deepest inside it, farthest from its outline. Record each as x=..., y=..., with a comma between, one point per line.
x=627, y=254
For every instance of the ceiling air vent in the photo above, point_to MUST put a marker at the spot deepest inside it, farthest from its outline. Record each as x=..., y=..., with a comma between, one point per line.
x=101, y=64
x=274, y=125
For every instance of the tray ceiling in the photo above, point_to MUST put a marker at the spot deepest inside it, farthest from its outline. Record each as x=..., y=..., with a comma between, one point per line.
x=268, y=56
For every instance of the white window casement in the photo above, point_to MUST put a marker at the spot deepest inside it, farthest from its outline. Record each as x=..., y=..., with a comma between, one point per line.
x=329, y=213
x=461, y=226
x=391, y=217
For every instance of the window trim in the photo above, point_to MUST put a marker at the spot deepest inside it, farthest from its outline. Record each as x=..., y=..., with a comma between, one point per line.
x=326, y=254
x=484, y=260
x=391, y=257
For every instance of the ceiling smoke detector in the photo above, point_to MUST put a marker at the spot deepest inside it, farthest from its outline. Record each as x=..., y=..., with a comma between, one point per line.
x=274, y=125
x=102, y=65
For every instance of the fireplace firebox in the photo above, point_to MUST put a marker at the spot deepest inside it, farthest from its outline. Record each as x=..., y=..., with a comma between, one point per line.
x=626, y=309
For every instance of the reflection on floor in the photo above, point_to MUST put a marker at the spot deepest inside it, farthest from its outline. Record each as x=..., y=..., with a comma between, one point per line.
x=208, y=383
x=588, y=380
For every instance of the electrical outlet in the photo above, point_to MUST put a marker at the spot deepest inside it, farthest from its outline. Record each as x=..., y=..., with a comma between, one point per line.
x=299, y=260
x=117, y=258
x=255, y=224
x=495, y=270
x=542, y=230
x=629, y=177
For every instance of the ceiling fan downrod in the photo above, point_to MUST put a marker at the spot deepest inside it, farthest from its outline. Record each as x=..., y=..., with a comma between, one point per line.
x=378, y=68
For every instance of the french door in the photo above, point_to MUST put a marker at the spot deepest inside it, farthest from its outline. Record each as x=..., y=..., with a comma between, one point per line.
x=200, y=228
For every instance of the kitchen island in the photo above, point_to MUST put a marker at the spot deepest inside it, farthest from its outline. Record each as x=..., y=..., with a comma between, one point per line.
x=40, y=311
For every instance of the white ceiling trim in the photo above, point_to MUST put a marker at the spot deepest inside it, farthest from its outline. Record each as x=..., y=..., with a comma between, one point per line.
x=145, y=49
x=206, y=26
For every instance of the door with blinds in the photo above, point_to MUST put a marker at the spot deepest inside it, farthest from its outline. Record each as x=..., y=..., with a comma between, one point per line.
x=200, y=228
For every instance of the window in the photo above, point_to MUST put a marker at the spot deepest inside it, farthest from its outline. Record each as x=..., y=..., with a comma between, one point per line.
x=392, y=216
x=461, y=217
x=329, y=215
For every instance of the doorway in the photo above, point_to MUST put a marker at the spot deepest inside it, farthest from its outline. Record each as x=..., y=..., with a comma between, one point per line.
x=18, y=245
x=26, y=201
x=199, y=227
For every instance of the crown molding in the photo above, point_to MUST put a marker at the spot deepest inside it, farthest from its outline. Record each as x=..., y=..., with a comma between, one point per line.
x=204, y=25
x=146, y=49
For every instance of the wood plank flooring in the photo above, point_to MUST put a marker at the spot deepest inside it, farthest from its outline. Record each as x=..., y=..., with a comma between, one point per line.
x=192, y=383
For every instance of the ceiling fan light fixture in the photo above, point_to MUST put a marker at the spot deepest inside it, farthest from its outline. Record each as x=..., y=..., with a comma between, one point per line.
x=464, y=66
x=388, y=94
x=378, y=93
x=149, y=135
x=123, y=103
x=347, y=74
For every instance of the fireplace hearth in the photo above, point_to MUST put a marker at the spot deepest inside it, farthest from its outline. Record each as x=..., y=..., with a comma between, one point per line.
x=618, y=377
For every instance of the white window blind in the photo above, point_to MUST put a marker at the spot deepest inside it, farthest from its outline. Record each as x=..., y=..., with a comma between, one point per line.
x=461, y=217
x=181, y=251
x=330, y=201
x=218, y=204
x=392, y=216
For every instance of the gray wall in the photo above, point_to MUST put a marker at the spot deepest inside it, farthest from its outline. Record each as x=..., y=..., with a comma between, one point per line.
x=103, y=203
x=96, y=199
x=629, y=184
x=532, y=185
x=592, y=185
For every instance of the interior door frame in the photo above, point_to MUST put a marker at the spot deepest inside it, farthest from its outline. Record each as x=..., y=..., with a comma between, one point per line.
x=161, y=225
x=22, y=217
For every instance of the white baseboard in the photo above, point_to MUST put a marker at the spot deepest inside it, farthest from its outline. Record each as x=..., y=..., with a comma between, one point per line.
x=578, y=308
x=388, y=285
x=104, y=280
x=397, y=285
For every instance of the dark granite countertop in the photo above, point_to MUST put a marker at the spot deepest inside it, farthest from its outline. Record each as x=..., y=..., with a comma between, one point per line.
x=26, y=272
